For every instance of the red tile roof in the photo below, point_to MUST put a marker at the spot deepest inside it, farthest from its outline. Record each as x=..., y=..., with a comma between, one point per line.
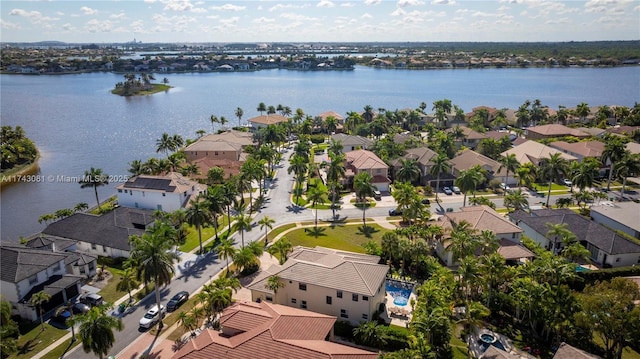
x=270, y=331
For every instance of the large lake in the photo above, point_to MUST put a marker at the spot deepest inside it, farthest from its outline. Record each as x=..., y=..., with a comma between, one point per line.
x=77, y=123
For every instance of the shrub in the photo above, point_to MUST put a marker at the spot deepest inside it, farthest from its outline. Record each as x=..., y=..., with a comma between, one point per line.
x=316, y=139
x=343, y=329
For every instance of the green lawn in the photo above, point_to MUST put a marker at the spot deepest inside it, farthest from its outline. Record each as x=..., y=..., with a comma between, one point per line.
x=342, y=237
x=192, y=238
x=33, y=340
x=277, y=231
x=109, y=291
x=61, y=349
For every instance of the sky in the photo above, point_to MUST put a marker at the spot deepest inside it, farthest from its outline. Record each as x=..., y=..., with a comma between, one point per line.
x=193, y=21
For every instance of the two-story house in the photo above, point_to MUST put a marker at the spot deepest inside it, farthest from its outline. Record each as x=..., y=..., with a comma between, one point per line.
x=349, y=286
x=224, y=150
x=261, y=121
x=352, y=143
x=366, y=161
x=26, y=271
x=165, y=193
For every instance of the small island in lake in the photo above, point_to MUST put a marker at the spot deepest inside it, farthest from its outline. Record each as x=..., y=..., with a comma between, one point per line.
x=139, y=85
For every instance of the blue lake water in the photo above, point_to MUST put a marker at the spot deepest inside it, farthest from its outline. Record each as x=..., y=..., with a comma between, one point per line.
x=77, y=123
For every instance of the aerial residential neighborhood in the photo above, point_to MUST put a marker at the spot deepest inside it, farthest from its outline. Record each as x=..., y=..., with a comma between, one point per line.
x=289, y=237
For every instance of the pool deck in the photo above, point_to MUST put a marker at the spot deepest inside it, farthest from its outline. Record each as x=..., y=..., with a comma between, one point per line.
x=396, y=314
x=477, y=350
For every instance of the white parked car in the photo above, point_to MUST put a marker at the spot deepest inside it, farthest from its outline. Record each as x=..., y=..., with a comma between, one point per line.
x=567, y=182
x=505, y=187
x=456, y=190
x=152, y=316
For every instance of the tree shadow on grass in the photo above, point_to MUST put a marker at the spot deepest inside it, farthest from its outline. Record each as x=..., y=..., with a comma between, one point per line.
x=316, y=231
x=367, y=231
x=28, y=346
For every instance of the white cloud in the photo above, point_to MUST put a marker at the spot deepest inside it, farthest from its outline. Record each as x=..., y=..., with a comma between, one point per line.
x=8, y=25
x=179, y=5
x=35, y=17
x=347, y=4
x=564, y=20
x=95, y=25
x=372, y=2
x=263, y=20
x=325, y=3
x=228, y=7
x=119, y=16
x=88, y=11
x=398, y=12
x=297, y=17
x=443, y=2
x=68, y=27
x=287, y=6
x=59, y=13
x=403, y=3
x=366, y=15
x=230, y=21
x=137, y=26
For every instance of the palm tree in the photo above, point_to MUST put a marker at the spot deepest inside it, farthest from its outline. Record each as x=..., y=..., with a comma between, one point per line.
x=242, y=224
x=245, y=258
x=94, y=178
x=128, y=282
x=468, y=180
x=554, y=168
x=281, y=249
x=627, y=166
x=363, y=188
x=335, y=172
x=299, y=166
x=37, y=300
x=274, y=283
x=404, y=194
x=266, y=222
x=215, y=204
x=370, y=334
x=516, y=200
x=239, y=113
x=188, y=322
x=316, y=195
x=96, y=330
x=510, y=163
x=558, y=231
x=582, y=111
x=226, y=250
x=261, y=108
x=198, y=216
x=527, y=174
x=584, y=175
x=151, y=257
x=614, y=150
x=409, y=171
x=440, y=165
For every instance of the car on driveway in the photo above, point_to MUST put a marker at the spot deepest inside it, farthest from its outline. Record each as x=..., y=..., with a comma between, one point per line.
x=92, y=299
x=456, y=190
x=152, y=316
x=566, y=182
x=80, y=308
x=179, y=299
x=447, y=191
x=505, y=187
x=62, y=317
x=395, y=212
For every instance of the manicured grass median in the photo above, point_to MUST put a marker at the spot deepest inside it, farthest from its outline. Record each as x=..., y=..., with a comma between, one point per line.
x=33, y=340
x=342, y=237
x=58, y=351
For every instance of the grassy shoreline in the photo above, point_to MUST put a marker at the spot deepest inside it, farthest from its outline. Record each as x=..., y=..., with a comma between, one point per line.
x=155, y=89
x=12, y=176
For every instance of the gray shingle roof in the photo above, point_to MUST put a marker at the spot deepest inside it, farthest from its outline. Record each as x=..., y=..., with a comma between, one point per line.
x=584, y=229
x=19, y=263
x=49, y=243
x=566, y=351
x=351, y=272
x=111, y=229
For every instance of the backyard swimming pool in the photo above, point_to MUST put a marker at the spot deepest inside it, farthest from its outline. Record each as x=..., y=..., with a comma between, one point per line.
x=400, y=292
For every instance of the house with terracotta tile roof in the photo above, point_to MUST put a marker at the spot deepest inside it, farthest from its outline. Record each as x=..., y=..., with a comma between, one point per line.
x=468, y=159
x=366, y=161
x=481, y=218
x=167, y=192
x=535, y=152
x=607, y=248
x=258, y=122
x=224, y=150
x=265, y=330
x=337, y=116
x=347, y=285
x=581, y=149
x=553, y=130
x=471, y=137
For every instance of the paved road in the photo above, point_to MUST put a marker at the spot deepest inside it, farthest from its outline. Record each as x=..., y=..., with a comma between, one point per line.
x=193, y=272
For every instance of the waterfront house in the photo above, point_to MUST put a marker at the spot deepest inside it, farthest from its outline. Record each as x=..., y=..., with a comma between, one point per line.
x=481, y=218
x=225, y=150
x=77, y=262
x=258, y=122
x=265, y=330
x=607, y=248
x=424, y=158
x=366, y=161
x=339, y=118
x=104, y=235
x=168, y=192
x=26, y=271
x=347, y=285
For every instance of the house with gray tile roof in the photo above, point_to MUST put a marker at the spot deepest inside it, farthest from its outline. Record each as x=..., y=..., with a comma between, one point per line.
x=104, y=235
x=607, y=248
x=619, y=216
x=347, y=285
x=77, y=263
x=351, y=142
x=25, y=271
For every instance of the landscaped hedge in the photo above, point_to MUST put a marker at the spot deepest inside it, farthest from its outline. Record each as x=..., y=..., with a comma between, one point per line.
x=591, y=277
x=317, y=138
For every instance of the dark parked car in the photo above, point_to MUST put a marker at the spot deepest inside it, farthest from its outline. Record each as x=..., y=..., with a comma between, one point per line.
x=92, y=299
x=426, y=201
x=62, y=317
x=80, y=308
x=395, y=212
x=177, y=300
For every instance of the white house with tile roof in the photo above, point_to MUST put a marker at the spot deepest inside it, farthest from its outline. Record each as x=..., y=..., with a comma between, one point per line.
x=347, y=285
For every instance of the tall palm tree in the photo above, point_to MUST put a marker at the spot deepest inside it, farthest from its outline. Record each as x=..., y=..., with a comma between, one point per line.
x=584, y=175
x=198, y=216
x=94, y=178
x=164, y=143
x=215, y=200
x=516, y=200
x=468, y=180
x=242, y=224
x=440, y=166
x=614, y=150
x=266, y=222
x=554, y=168
x=239, y=113
x=261, y=108
x=404, y=194
x=96, y=330
x=226, y=250
x=557, y=231
x=316, y=195
x=298, y=166
x=274, y=283
x=37, y=300
x=409, y=171
x=281, y=249
x=245, y=258
x=510, y=163
x=363, y=188
x=335, y=172
x=151, y=257
x=627, y=166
